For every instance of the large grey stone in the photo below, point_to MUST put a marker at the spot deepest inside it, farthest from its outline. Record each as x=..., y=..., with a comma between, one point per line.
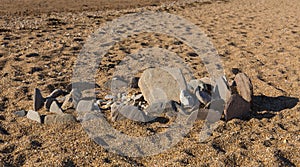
x=60, y=119
x=54, y=108
x=159, y=84
x=33, y=115
x=236, y=107
x=244, y=86
x=38, y=100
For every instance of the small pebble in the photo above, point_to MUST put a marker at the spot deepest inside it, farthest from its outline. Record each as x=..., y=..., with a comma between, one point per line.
x=20, y=113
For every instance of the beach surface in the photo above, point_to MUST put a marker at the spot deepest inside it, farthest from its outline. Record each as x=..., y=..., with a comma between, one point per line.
x=41, y=40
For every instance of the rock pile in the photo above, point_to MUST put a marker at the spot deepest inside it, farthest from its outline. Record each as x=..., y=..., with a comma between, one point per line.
x=158, y=91
x=56, y=103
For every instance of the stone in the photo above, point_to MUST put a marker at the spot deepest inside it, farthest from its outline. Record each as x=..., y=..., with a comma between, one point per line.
x=48, y=102
x=109, y=97
x=118, y=85
x=244, y=86
x=115, y=115
x=158, y=84
x=222, y=89
x=85, y=106
x=20, y=113
x=56, y=93
x=133, y=113
x=60, y=119
x=158, y=108
x=134, y=82
x=76, y=96
x=54, y=108
x=217, y=105
x=202, y=96
x=38, y=100
x=67, y=104
x=202, y=84
x=186, y=98
x=33, y=115
x=236, y=107
x=137, y=97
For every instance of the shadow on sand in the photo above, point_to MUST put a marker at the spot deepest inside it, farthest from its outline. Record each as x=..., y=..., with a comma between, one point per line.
x=271, y=105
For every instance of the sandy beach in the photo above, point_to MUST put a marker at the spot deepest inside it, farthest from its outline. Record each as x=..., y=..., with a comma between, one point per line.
x=40, y=42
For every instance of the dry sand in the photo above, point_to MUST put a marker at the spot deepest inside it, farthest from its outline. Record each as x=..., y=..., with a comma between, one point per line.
x=260, y=37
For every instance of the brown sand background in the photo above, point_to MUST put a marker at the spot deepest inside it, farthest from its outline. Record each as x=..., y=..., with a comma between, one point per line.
x=260, y=37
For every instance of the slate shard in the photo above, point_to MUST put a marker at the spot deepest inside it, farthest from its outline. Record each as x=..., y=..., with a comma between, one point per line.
x=38, y=100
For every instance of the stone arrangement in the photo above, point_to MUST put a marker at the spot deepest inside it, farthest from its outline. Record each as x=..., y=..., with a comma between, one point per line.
x=159, y=92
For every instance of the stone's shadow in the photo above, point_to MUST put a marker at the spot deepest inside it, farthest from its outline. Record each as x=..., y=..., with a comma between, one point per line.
x=271, y=104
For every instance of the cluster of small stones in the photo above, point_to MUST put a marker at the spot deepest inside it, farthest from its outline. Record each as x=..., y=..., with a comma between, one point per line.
x=56, y=104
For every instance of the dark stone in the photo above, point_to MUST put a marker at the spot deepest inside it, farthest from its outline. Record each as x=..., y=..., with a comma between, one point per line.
x=38, y=100
x=236, y=107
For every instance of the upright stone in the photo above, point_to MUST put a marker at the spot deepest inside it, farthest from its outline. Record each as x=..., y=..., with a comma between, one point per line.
x=54, y=108
x=244, y=86
x=38, y=100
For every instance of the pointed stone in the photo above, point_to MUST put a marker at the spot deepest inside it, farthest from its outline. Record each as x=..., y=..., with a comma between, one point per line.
x=244, y=86
x=222, y=89
x=236, y=107
x=60, y=119
x=54, y=108
x=38, y=100
x=33, y=115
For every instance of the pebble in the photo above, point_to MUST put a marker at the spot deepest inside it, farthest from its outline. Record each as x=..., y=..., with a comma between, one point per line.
x=109, y=97
x=67, y=104
x=33, y=115
x=20, y=113
x=54, y=108
x=38, y=100
x=60, y=119
x=137, y=97
x=236, y=107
